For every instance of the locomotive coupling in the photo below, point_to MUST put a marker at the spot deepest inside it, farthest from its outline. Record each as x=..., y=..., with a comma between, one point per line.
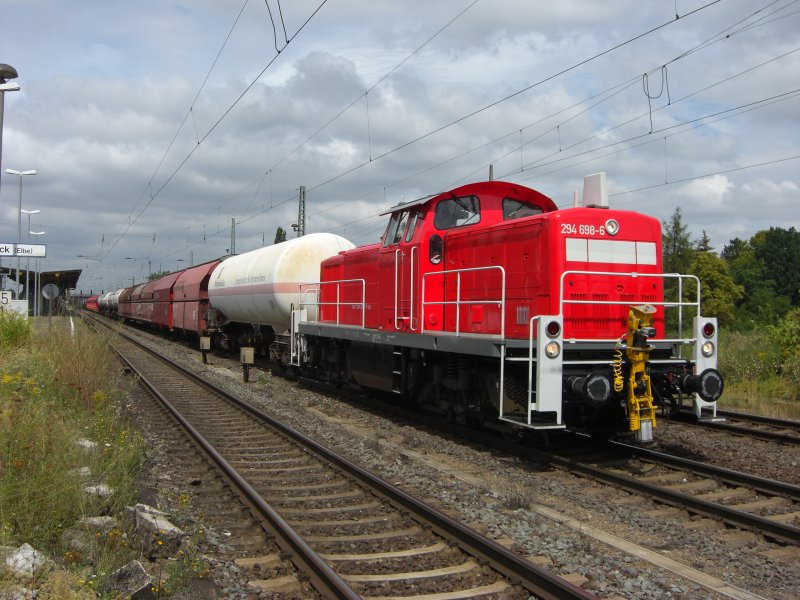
x=594, y=388
x=708, y=385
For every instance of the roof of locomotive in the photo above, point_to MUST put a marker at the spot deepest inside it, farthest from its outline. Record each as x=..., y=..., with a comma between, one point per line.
x=497, y=188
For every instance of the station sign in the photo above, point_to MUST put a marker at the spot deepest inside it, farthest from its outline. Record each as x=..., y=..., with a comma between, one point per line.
x=7, y=303
x=23, y=250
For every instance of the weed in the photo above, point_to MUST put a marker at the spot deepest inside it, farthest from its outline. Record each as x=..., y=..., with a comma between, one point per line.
x=53, y=392
x=15, y=330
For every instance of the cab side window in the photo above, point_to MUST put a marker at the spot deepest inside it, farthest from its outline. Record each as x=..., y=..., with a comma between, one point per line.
x=516, y=209
x=416, y=220
x=457, y=212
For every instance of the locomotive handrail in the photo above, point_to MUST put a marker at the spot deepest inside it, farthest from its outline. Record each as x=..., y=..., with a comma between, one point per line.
x=634, y=275
x=411, y=282
x=396, y=287
x=458, y=302
x=316, y=289
x=531, y=359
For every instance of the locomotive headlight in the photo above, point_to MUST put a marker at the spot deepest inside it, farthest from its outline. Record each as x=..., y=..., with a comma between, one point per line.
x=612, y=227
x=552, y=349
x=707, y=349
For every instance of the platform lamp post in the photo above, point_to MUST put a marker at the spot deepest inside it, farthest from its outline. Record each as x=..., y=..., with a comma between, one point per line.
x=37, y=279
x=6, y=72
x=19, y=212
x=35, y=211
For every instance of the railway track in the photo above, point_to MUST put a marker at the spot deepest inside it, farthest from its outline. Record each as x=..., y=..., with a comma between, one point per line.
x=348, y=532
x=709, y=495
x=772, y=429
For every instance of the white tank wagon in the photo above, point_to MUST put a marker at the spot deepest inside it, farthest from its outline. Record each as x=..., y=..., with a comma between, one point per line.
x=102, y=302
x=109, y=302
x=262, y=287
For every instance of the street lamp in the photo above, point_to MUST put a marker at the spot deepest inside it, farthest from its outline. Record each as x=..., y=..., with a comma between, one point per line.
x=19, y=214
x=28, y=263
x=6, y=72
x=37, y=279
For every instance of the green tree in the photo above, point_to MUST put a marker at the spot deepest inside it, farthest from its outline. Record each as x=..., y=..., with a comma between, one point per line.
x=704, y=243
x=677, y=255
x=778, y=250
x=735, y=248
x=760, y=304
x=676, y=245
x=719, y=293
x=157, y=275
x=280, y=235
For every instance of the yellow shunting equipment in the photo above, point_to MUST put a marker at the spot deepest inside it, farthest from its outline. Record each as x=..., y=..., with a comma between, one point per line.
x=641, y=414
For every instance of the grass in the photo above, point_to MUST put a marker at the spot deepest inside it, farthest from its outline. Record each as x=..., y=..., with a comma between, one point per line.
x=759, y=375
x=55, y=389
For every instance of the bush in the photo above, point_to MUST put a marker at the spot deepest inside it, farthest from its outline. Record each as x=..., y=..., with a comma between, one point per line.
x=787, y=333
x=15, y=330
x=749, y=356
x=760, y=376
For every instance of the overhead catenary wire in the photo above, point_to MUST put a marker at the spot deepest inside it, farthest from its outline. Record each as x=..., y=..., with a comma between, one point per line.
x=132, y=221
x=278, y=202
x=428, y=134
x=613, y=90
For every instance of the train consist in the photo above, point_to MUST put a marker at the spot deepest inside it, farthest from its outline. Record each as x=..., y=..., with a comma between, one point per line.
x=486, y=304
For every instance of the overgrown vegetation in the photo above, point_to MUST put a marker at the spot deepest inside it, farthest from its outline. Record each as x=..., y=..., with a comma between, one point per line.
x=753, y=288
x=55, y=390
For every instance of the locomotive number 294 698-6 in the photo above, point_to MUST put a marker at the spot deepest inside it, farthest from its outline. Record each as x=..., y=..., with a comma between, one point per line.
x=573, y=229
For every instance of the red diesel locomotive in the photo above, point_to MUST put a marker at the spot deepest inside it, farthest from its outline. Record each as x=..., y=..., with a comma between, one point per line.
x=486, y=304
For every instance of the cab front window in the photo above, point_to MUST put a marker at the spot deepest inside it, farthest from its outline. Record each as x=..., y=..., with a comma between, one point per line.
x=397, y=225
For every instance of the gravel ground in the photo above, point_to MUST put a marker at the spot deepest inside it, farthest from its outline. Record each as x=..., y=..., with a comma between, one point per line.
x=507, y=498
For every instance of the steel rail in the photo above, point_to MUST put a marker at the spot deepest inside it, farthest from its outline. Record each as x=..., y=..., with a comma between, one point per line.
x=761, y=484
x=738, y=518
x=776, y=421
x=324, y=579
x=762, y=434
x=541, y=582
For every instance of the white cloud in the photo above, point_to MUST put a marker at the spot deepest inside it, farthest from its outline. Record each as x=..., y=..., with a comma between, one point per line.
x=106, y=88
x=710, y=192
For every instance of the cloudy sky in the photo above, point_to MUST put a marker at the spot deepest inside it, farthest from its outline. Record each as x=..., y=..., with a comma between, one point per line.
x=154, y=124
